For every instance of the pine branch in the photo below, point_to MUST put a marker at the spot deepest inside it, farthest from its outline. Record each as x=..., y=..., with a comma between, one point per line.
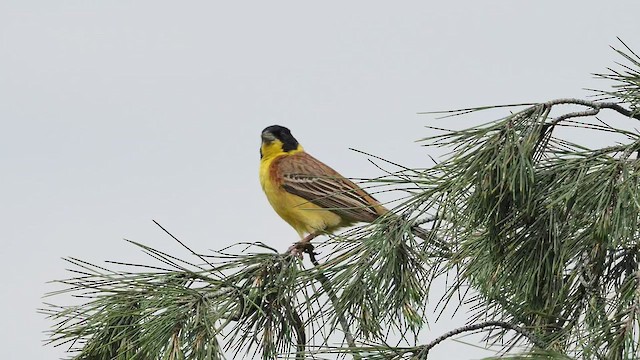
x=422, y=351
x=328, y=289
x=595, y=106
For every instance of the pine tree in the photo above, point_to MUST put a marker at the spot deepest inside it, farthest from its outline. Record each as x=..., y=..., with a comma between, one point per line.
x=538, y=233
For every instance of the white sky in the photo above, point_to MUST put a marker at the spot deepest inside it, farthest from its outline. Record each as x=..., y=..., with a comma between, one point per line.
x=114, y=113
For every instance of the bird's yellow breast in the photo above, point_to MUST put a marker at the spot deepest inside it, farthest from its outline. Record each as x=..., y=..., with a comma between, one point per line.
x=302, y=215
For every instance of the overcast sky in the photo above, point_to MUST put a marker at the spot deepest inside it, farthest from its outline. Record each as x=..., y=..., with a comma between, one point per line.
x=114, y=113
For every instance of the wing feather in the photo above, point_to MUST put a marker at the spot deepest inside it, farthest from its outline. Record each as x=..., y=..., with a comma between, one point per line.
x=305, y=176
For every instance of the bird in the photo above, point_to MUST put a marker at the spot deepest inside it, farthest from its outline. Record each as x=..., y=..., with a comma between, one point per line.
x=308, y=194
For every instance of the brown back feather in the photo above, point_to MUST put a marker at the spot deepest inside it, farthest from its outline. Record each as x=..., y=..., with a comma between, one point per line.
x=303, y=175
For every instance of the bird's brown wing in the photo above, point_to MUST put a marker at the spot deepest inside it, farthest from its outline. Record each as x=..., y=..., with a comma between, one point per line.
x=305, y=176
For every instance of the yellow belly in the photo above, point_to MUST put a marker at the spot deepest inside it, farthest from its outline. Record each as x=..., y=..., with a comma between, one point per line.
x=304, y=216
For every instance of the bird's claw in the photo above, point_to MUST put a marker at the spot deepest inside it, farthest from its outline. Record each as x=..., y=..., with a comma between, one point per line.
x=299, y=248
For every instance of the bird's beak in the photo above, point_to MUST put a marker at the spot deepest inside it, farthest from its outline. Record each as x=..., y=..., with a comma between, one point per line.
x=267, y=137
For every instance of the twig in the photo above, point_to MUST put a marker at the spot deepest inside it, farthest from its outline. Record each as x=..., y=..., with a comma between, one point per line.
x=575, y=114
x=326, y=285
x=594, y=105
x=422, y=351
x=426, y=220
x=300, y=335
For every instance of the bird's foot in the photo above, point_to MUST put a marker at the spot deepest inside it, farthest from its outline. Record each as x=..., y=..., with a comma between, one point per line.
x=299, y=248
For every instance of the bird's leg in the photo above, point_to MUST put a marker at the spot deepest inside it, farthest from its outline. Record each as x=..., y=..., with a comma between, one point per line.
x=302, y=246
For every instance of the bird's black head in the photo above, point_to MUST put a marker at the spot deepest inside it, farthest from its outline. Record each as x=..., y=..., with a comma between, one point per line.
x=276, y=135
